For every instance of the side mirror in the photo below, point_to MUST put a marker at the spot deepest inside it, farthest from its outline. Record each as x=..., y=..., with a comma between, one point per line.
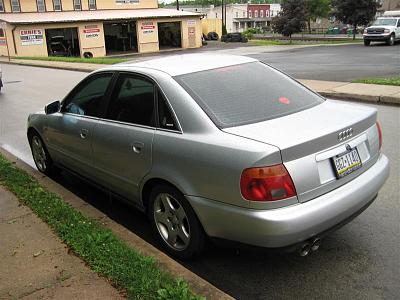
x=52, y=108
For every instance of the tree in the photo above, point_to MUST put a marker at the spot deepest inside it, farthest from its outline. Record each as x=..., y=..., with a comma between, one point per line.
x=291, y=19
x=359, y=12
x=317, y=9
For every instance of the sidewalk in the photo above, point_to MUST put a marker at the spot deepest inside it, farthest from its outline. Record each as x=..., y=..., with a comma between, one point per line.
x=337, y=90
x=35, y=264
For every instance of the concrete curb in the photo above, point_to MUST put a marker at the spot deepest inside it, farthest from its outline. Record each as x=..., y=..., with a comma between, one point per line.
x=197, y=284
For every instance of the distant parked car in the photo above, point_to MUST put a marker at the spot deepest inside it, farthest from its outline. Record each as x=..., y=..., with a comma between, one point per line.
x=216, y=146
x=384, y=29
x=212, y=36
x=234, y=37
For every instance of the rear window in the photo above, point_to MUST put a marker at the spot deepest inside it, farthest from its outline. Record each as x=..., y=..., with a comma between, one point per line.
x=246, y=93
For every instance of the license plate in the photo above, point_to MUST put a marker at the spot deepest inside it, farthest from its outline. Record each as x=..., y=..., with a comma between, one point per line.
x=346, y=163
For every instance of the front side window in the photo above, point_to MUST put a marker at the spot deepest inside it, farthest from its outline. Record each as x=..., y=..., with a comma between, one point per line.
x=92, y=5
x=132, y=101
x=15, y=6
x=87, y=98
x=1, y=6
x=41, y=6
x=57, y=5
x=77, y=5
x=246, y=93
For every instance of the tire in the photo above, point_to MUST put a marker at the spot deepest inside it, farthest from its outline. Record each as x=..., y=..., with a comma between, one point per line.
x=174, y=223
x=390, y=41
x=41, y=156
x=367, y=43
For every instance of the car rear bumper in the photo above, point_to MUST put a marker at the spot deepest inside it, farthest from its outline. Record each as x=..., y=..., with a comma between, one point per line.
x=290, y=225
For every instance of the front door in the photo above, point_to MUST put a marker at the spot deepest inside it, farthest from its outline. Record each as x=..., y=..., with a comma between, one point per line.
x=69, y=133
x=122, y=141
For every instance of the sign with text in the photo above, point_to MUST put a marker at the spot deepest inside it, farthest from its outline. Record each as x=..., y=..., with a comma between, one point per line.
x=31, y=37
x=191, y=23
x=148, y=27
x=91, y=31
x=127, y=1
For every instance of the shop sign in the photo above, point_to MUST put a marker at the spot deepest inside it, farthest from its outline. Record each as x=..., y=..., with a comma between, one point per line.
x=31, y=37
x=91, y=31
x=191, y=23
x=127, y=1
x=148, y=27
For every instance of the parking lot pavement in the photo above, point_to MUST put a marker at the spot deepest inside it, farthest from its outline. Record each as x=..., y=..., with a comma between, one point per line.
x=35, y=264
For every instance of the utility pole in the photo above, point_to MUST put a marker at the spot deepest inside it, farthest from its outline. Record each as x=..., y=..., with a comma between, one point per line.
x=177, y=4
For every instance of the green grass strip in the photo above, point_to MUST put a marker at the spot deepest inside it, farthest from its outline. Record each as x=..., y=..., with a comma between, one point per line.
x=298, y=42
x=384, y=81
x=95, y=60
x=105, y=253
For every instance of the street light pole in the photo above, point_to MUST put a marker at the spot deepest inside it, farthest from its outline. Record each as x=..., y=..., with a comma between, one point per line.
x=177, y=4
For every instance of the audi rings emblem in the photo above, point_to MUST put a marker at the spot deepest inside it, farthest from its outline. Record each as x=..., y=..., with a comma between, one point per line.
x=345, y=134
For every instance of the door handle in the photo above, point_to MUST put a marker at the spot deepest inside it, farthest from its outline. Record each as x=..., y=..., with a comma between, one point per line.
x=137, y=147
x=83, y=134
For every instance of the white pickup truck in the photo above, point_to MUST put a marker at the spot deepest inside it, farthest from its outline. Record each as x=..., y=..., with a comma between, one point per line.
x=384, y=29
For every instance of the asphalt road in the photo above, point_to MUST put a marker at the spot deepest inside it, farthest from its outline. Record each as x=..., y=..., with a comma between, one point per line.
x=359, y=261
x=337, y=63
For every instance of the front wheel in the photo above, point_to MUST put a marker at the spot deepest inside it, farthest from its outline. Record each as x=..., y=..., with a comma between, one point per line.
x=40, y=154
x=174, y=222
x=367, y=43
x=390, y=41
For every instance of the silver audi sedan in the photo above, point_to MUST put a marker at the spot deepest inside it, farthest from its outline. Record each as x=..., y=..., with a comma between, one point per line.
x=216, y=146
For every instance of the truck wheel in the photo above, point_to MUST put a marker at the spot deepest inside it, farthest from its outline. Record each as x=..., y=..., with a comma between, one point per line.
x=390, y=41
x=367, y=43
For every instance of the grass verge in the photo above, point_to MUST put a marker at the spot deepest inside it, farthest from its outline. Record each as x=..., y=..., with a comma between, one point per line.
x=105, y=253
x=96, y=60
x=296, y=42
x=384, y=81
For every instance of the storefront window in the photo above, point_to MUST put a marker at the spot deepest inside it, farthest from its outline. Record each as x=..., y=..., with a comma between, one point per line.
x=15, y=7
x=92, y=4
x=41, y=6
x=77, y=5
x=57, y=5
x=1, y=6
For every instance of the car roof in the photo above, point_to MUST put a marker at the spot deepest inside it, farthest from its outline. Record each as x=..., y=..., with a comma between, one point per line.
x=188, y=63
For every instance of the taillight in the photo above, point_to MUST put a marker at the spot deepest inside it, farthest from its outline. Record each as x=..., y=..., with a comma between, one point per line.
x=378, y=125
x=267, y=184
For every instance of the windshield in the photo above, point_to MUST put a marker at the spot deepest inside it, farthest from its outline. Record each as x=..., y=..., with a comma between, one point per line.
x=246, y=93
x=385, y=22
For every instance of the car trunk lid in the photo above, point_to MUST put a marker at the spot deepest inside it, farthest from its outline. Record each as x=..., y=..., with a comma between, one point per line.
x=309, y=139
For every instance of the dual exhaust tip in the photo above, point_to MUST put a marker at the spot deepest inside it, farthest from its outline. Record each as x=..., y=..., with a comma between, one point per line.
x=310, y=246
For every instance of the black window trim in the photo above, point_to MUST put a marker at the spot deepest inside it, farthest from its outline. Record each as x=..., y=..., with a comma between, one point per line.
x=155, y=99
x=73, y=5
x=4, y=9
x=37, y=6
x=105, y=99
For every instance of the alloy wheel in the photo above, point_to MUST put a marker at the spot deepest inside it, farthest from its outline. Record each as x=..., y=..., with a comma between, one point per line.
x=39, y=153
x=171, y=221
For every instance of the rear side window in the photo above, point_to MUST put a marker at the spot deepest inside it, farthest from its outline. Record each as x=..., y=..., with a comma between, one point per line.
x=246, y=93
x=166, y=120
x=132, y=101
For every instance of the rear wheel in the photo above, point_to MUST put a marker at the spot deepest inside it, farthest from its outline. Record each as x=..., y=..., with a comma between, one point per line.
x=41, y=156
x=367, y=43
x=174, y=222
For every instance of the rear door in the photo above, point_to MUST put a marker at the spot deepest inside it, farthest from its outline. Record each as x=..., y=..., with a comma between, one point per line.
x=69, y=133
x=122, y=140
